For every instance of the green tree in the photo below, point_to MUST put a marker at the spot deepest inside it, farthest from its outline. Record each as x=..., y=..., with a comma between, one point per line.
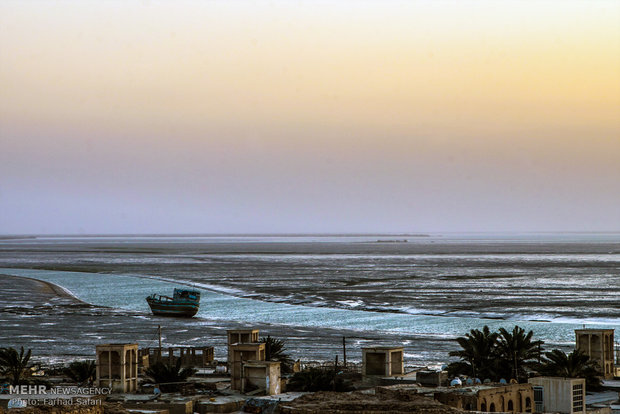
x=477, y=355
x=275, y=351
x=81, y=371
x=573, y=365
x=168, y=375
x=13, y=364
x=516, y=351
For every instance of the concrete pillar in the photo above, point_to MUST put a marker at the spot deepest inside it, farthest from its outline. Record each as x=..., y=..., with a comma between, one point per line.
x=123, y=368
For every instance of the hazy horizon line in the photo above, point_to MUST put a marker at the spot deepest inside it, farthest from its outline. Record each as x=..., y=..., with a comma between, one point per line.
x=303, y=234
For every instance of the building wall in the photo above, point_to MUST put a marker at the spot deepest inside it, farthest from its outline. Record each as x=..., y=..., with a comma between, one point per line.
x=513, y=398
x=117, y=366
x=460, y=401
x=375, y=364
x=265, y=375
x=382, y=361
x=190, y=356
x=432, y=378
x=396, y=362
x=241, y=336
x=598, y=344
x=558, y=393
x=239, y=354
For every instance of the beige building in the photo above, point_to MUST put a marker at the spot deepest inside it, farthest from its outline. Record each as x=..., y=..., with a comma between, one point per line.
x=510, y=398
x=383, y=361
x=559, y=395
x=431, y=378
x=240, y=354
x=598, y=344
x=241, y=336
x=190, y=356
x=261, y=375
x=117, y=367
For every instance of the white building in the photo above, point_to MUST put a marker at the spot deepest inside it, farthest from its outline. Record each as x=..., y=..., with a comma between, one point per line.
x=559, y=395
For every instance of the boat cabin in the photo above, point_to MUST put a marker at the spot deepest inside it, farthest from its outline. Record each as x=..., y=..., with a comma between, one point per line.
x=186, y=294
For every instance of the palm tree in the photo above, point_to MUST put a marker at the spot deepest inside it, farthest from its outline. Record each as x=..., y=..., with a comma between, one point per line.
x=517, y=351
x=574, y=365
x=169, y=375
x=478, y=352
x=274, y=351
x=13, y=363
x=81, y=371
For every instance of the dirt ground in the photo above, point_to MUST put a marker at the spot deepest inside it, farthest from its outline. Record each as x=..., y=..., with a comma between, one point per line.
x=383, y=400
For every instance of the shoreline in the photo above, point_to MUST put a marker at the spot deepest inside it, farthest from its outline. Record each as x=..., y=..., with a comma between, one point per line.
x=58, y=290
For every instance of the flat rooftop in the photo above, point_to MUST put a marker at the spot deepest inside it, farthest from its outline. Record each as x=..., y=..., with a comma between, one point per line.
x=384, y=348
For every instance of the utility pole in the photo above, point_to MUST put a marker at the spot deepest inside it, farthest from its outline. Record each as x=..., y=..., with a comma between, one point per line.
x=344, y=352
x=516, y=368
x=159, y=335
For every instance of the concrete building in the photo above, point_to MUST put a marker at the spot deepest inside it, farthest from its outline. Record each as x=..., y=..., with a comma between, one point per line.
x=598, y=344
x=117, y=367
x=190, y=356
x=510, y=398
x=241, y=336
x=383, y=361
x=559, y=395
x=260, y=375
x=239, y=354
x=432, y=378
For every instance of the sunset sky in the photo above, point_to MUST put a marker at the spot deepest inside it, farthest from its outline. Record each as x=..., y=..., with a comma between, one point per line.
x=309, y=116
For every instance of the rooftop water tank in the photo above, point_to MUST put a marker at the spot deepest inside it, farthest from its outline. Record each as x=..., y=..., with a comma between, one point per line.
x=456, y=382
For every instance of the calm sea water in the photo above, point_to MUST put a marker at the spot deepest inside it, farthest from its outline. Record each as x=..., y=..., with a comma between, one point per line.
x=432, y=287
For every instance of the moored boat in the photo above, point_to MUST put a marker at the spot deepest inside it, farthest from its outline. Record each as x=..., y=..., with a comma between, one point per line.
x=183, y=303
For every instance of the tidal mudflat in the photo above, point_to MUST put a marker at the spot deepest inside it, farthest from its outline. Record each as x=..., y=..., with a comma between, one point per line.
x=312, y=290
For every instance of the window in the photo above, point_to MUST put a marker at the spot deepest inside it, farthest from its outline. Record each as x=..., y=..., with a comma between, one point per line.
x=578, y=397
x=539, y=393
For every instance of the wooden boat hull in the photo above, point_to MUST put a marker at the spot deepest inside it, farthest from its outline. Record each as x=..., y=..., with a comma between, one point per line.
x=184, y=310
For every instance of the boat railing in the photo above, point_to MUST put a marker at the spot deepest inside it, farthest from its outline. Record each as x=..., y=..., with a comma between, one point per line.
x=161, y=298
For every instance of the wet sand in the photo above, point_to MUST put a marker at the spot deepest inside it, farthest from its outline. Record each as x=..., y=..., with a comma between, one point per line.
x=571, y=277
x=522, y=280
x=58, y=327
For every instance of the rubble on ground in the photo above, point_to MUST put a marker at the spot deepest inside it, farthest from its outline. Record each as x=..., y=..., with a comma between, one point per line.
x=379, y=400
